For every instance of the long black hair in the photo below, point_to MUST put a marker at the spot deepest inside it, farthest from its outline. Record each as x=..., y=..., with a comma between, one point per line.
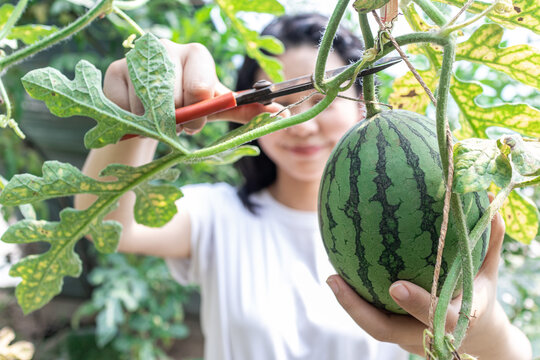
x=293, y=30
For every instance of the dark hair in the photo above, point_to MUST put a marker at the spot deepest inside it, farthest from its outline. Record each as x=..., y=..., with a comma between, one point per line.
x=293, y=30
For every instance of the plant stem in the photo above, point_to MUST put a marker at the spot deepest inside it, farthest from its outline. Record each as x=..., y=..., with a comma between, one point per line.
x=13, y=18
x=326, y=44
x=445, y=142
x=449, y=28
x=7, y=119
x=102, y=8
x=432, y=12
x=368, y=82
x=467, y=270
x=452, y=278
x=402, y=40
x=129, y=20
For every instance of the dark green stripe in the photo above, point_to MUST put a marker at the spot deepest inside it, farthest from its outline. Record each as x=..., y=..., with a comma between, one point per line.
x=428, y=205
x=388, y=226
x=351, y=209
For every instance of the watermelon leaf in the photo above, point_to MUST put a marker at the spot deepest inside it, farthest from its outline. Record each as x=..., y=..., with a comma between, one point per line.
x=526, y=13
x=254, y=43
x=521, y=62
x=231, y=156
x=477, y=163
x=525, y=155
x=520, y=118
x=42, y=274
x=152, y=73
x=520, y=216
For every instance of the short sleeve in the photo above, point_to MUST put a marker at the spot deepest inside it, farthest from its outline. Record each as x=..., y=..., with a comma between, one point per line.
x=197, y=200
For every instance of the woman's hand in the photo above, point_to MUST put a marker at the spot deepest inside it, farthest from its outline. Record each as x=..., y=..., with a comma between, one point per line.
x=490, y=334
x=195, y=80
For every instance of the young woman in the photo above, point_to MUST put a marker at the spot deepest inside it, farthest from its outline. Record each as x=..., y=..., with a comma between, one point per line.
x=256, y=251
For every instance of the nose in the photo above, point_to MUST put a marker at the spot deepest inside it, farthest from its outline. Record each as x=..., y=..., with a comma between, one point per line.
x=307, y=128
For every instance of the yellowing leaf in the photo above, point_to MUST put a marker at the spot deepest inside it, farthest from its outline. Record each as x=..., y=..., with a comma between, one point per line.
x=152, y=74
x=520, y=216
x=520, y=118
x=522, y=62
x=408, y=94
x=526, y=13
x=477, y=163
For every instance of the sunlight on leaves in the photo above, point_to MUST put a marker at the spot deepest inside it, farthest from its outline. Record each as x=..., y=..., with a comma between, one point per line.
x=477, y=163
x=521, y=62
x=520, y=216
x=526, y=13
x=520, y=118
x=408, y=94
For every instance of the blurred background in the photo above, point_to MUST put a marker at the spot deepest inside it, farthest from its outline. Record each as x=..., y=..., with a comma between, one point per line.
x=126, y=306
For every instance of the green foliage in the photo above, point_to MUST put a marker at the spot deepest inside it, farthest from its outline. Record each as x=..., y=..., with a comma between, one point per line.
x=254, y=43
x=477, y=163
x=139, y=307
x=483, y=47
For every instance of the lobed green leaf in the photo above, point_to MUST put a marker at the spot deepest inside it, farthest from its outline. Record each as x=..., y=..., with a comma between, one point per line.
x=475, y=119
x=478, y=163
x=525, y=155
x=42, y=275
x=526, y=13
x=153, y=75
x=521, y=62
x=408, y=94
x=520, y=216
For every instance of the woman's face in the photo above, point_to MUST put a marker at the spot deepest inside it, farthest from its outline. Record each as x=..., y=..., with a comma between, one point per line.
x=300, y=152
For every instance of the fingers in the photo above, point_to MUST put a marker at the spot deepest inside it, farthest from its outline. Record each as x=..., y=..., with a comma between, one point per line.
x=491, y=261
x=416, y=301
x=383, y=326
x=115, y=86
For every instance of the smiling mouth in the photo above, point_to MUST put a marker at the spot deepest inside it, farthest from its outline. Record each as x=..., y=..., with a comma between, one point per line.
x=305, y=149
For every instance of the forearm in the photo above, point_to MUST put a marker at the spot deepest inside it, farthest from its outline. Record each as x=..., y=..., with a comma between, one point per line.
x=134, y=152
x=501, y=340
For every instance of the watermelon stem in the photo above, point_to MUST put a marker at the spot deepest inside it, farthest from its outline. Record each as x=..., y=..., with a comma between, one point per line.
x=432, y=12
x=326, y=45
x=368, y=82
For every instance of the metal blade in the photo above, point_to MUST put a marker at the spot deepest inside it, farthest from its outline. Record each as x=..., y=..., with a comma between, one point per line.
x=266, y=94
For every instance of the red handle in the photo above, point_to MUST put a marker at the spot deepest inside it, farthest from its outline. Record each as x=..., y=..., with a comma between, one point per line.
x=200, y=109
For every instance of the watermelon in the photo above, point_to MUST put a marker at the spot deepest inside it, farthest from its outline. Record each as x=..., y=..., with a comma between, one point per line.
x=380, y=207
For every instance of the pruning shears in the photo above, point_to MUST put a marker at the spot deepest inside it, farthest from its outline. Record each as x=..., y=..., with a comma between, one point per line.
x=263, y=92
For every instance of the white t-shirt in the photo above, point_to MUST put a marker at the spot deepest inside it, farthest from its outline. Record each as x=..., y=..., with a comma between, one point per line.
x=263, y=283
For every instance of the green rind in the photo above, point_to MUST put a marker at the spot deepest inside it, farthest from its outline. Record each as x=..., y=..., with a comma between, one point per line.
x=380, y=206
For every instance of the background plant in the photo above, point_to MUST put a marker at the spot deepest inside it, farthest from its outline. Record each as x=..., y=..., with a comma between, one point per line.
x=520, y=215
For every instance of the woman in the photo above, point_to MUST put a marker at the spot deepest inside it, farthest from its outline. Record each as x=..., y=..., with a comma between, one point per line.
x=256, y=253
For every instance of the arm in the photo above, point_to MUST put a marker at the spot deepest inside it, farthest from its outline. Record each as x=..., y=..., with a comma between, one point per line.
x=490, y=334
x=196, y=80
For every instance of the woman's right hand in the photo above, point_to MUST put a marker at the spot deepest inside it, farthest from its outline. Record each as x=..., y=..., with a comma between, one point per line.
x=195, y=80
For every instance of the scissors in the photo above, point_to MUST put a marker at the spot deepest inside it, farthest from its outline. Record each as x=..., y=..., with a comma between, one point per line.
x=263, y=92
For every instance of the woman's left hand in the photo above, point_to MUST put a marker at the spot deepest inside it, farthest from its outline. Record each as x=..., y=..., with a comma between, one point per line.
x=490, y=334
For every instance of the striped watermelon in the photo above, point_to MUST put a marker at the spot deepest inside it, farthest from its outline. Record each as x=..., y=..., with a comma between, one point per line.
x=380, y=206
